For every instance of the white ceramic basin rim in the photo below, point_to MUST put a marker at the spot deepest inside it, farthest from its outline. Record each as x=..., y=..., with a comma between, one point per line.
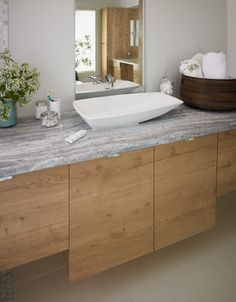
x=124, y=110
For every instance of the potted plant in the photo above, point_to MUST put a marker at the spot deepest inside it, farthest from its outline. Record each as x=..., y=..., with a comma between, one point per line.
x=18, y=82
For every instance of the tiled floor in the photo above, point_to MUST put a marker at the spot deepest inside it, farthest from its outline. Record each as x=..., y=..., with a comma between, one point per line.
x=200, y=269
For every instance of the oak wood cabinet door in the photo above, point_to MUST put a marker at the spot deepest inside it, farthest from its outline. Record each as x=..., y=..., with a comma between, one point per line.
x=226, y=179
x=33, y=216
x=185, y=189
x=115, y=25
x=111, y=212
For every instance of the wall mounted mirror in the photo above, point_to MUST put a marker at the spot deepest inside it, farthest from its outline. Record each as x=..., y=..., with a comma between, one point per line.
x=108, y=47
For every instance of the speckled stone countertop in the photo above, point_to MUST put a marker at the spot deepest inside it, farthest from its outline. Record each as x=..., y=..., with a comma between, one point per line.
x=30, y=147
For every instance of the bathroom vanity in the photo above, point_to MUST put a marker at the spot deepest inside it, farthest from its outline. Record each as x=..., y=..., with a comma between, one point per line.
x=115, y=195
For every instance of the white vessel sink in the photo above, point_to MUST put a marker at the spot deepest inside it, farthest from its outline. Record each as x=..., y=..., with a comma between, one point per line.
x=124, y=110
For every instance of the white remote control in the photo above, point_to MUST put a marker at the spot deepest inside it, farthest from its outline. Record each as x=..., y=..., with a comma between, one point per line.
x=76, y=136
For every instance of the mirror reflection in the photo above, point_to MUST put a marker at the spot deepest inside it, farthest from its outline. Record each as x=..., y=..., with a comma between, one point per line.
x=108, y=47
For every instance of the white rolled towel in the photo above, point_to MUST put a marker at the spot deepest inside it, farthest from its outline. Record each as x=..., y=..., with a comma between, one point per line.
x=214, y=65
x=199, y=57
x=192, y=68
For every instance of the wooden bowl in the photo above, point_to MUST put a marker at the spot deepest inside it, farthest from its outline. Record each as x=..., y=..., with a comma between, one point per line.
x=209, y=94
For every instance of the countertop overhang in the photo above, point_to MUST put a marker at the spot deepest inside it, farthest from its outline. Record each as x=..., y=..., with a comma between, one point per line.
x=30, y=147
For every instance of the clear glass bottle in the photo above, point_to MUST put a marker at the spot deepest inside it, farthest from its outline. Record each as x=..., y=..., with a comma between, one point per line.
x=108, y=86
x=41, y=107
x=167, y=85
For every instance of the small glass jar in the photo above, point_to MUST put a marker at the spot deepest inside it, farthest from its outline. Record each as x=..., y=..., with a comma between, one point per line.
x=41, y=107
x=167, y=86
x=49, y=119
x=108, y=86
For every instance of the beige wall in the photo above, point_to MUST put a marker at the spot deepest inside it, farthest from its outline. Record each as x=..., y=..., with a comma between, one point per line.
x=42, y=32
x=232, y=37
x=176, y=30
x=3, y=24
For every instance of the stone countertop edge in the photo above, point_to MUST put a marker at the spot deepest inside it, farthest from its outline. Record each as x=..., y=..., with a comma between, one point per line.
x=29, y=147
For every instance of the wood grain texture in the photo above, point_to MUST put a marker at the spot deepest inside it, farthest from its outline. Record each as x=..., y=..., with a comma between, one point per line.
x=33, y=216
x=185, y=189
x=209, y=94
x=127, y=73
x=116, y=41
x=115, y=36
x=226, y=180
x=111, y=212
x=117, y=72
x=137, y=75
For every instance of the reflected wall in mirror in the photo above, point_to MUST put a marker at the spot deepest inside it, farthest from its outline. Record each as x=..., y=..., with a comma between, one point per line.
x=108, y=47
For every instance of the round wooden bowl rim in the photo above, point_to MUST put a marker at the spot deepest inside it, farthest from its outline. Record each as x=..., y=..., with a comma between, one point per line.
x=206, y=79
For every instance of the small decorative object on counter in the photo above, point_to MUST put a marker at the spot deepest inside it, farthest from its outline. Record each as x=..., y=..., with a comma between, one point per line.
x=55, y=105
x=109, y=82
x=108, y=86
x=76, y=136
x=167, y=86
x=41, y=107
x=18, y=82
x=49, y=119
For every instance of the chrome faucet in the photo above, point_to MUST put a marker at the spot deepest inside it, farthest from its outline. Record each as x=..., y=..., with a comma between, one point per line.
x=95, y=79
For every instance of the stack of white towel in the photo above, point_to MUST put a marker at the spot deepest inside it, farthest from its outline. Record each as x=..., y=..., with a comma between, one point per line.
x=211, y=66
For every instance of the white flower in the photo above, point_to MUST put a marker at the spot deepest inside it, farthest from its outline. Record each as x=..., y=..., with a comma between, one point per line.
x=17, y=81
x=15, y=85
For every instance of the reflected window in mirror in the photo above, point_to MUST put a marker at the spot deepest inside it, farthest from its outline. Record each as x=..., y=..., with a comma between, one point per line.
x=85, y=41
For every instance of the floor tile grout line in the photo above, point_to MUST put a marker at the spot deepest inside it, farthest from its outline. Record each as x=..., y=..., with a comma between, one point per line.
x=221, y=267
